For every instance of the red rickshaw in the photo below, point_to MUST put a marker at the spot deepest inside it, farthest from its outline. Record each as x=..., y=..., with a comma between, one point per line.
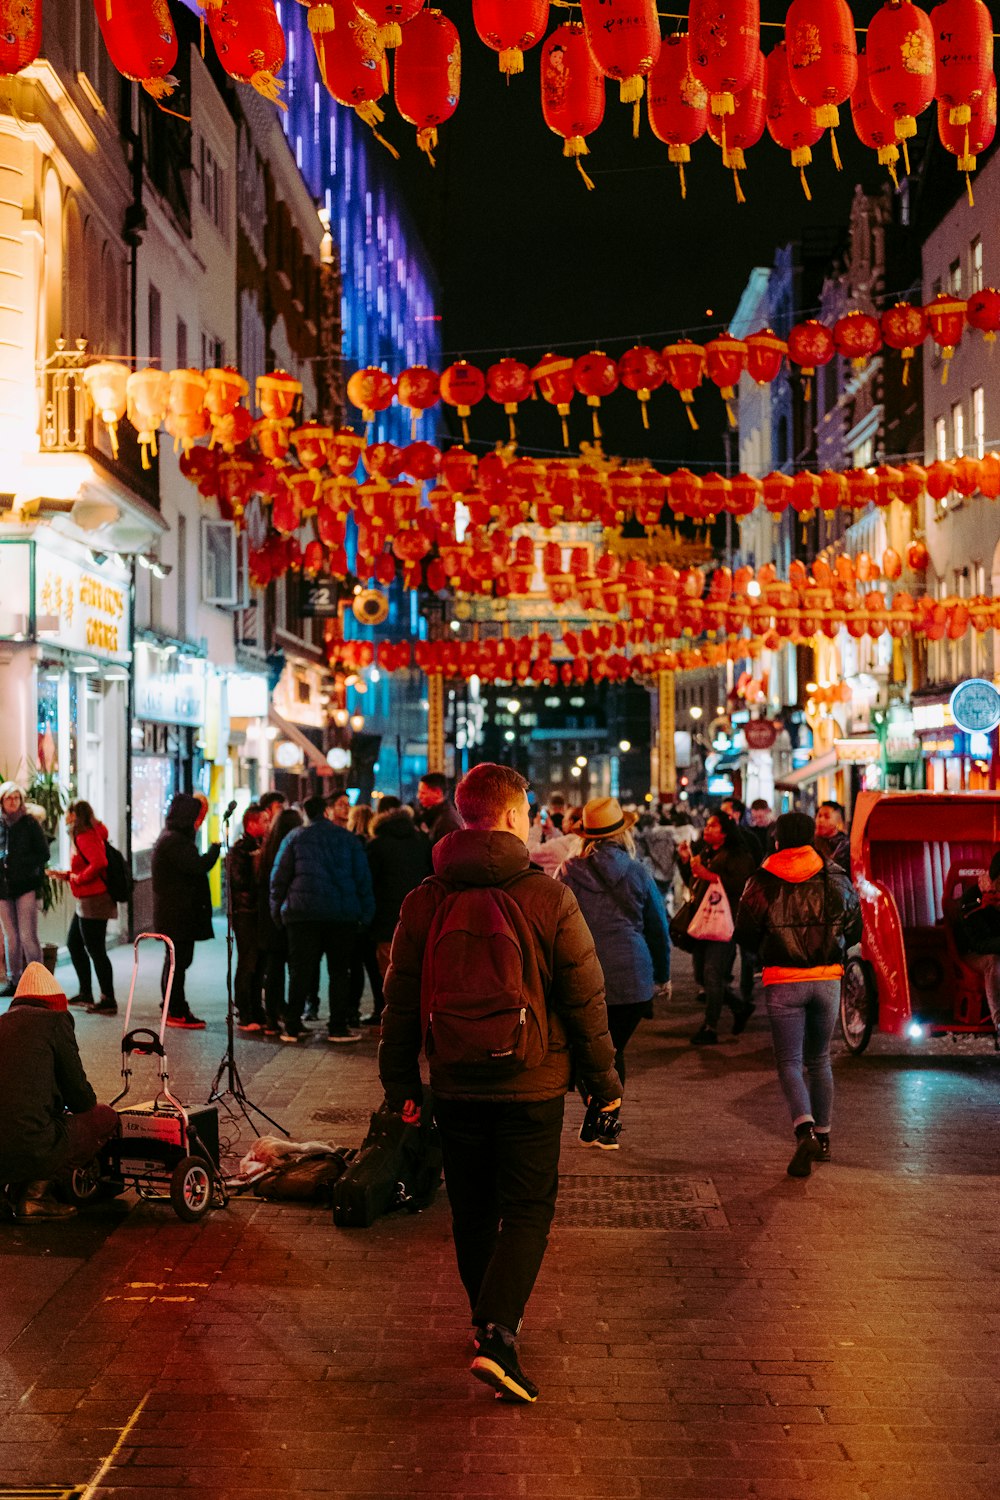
x=913, y=857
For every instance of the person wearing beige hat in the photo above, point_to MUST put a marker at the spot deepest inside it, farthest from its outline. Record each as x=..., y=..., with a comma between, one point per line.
x=50, y=1119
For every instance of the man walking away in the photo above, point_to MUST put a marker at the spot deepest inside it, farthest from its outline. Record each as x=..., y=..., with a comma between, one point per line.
x=801, y=915
x=437, y=816
x=493, y=973
x=321, y=892
x=251, y=955
x=832, y=839
x=182, y=900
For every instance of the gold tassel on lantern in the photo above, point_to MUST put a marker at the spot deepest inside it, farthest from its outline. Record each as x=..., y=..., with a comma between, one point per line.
x=801, y=158
x=389, y=36
x=888, y=156
x=679, y=155
x=511, y=60
x=371, y=115
x=836, y=154
x=736, y=162
x=269, y=87
x=631, y=89
x=427, y=140
x=576, y=146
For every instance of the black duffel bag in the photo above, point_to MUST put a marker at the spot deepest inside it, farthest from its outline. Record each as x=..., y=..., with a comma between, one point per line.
x=397, y=1166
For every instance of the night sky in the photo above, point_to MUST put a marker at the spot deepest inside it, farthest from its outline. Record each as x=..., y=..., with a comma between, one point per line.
x=529, y=260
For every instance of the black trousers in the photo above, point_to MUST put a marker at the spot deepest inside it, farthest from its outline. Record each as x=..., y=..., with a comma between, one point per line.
x=251, y=963
x=501, y=1169
x=183, y=955
x=275, y=964
x=86, y=941
x=622, y=1021
x=366, y=962
x=308, y=943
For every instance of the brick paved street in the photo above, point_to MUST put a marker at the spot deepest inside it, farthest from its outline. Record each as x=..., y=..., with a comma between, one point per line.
x=737, y=1334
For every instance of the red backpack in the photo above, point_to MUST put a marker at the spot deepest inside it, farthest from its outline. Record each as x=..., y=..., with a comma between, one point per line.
x=481, y=996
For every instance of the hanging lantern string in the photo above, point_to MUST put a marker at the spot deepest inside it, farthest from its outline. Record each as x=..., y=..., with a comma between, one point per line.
x=672, y=15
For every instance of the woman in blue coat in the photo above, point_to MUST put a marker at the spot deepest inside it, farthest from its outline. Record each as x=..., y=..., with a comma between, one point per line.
x=626, y=917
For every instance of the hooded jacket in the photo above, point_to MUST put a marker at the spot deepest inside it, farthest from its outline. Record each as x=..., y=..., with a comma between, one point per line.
x=800, y=915
x=242, y=876
x=399, y=858
x=628, y=921
x=89, y=867
x=182, y=901
x=24, y=850
x=568, y=970
x=321, y=875
x=41, y=1077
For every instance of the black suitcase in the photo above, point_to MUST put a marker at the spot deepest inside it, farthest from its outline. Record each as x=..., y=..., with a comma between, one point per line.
x=398, y=1166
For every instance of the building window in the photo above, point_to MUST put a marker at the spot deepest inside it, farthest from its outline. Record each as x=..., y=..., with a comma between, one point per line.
x=213, y=352
x=212, y=185
x=940, y=439
x=182, y=344
x=155, y=327
x=182, y=576
x=955, y=278
x=976, y=265
x=958, y=429
x=979, y=421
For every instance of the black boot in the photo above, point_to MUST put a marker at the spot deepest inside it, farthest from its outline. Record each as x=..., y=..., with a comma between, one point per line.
x=37, y=1206
x=806, y=1152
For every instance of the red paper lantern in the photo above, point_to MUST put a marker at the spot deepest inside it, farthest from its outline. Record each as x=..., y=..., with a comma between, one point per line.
x=641, y=370
x=822, y=58
x=684, y=363
x=966, y=476
x=737, y=132
x=553, y=376
x=725, y=361
x=874, y=127
x=744, y=495
x=141, y=42
x=508, y=383
x=20, y=36
x=510, y=27
x=765, y=352
x=963, y=53
x=777, y=493
x=989, y=476
x=572, y=91
x=595, y=376
x=350, y=58
x=904, y=327
x=371, y=390
x=463, y=386
x=250, y=43
x=624, y=41
x=458, y=470
x=792, y=125
x=940, y=479
x=389, y=17
x=428, y=75
x=725, y=44
x=418, y=389
x=857, y=337
x=982, y=311
x=677, y=103
x=946, y=317
x=421, y=461
x=901, y=67
x=810, y=345
x=968, y=140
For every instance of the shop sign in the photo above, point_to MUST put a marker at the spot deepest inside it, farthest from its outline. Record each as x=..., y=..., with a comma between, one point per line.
x=319, y=598
x=932, y=716
x=80, y=610
x=902, y=748
x=760, y=734
x=857, y=752
x=944, y=746
x=975, y=705
x=169, y=689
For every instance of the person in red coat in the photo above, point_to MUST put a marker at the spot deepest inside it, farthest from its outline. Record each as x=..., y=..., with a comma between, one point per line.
x=95, y=908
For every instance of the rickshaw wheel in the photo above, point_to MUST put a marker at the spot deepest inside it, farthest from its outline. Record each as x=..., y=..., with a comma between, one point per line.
x=857, y=1005
x=191, y=1189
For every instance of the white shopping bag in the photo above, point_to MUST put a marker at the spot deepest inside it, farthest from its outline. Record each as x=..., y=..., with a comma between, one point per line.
x=713, y=921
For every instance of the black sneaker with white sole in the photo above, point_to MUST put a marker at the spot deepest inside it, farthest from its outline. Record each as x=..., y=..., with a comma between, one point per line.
x=496, y=1365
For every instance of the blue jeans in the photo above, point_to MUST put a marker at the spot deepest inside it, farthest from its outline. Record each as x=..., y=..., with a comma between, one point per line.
x=802, y=1016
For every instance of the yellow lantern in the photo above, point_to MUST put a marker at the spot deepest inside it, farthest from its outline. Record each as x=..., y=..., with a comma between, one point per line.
x=187, y=419
x=225, y=388
x=147, y=392
x=277, y=394
x=106, y=382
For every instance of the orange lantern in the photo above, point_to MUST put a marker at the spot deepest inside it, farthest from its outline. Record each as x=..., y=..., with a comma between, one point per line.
x=677, y=103
x=226, y=388
x=553, y=376
x=141, y=42
x=277, y=394
x=914, y=484
x=765, y=351
x=147, y=393
x=388, y=17
x=917, y=559
x=810, y=345
x=428, y=76
x=463, y=386
x=508, y=383
x=969, y=140
x=791, y=124
x=572, y=91
x=250, y=44
x=511, y=28
x=624, y=41
x=595, y=376
x=822, y=59
x=725, y=45
x=892, y=564
x=312, y=444
x=20, y=36
x=857, y=337
x=736, y=132
x=989, y=476
x=684, y=363
x=940, y=479
x=371, y=390
x=874, y=127
x=963, y=53
x=861, y=491
x=982, y=311
x=641, y=370
x=966, y=476
x=904, y=327
x=725, y=361
x=946, y=318
x=417, y=390
x=901, y=67
x=888, y=485
x=187, y=420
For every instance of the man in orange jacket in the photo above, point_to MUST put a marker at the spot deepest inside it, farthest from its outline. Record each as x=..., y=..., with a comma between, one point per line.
x=800, y=914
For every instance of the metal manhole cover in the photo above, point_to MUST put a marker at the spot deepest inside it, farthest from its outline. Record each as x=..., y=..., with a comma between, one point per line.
x=646, y=1201
x=343, y=1116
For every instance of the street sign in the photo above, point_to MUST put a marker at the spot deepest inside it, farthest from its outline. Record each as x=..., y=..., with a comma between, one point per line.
x=975, y=705
x=319, y=598
x=760, y=734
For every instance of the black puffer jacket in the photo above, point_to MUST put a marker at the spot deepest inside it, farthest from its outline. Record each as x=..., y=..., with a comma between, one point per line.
x=798, y=912
x=564, y=959
x=41, y=1077
x=241, y=873
x=399, y=857
x=733, y=863
x=182, y=901
x=24, y=853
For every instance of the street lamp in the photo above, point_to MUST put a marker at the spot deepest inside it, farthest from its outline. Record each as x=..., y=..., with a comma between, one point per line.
x=696, y=711
x=575, y=771
x=624, y=746
x=581, y=761
x=513, y=706
x=509, y=736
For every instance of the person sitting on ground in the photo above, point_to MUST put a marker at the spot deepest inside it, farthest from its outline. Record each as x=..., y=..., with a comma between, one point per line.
x=399, y=857
x=50, y=1119
x=801, y=914
x=832, y=839
x=438, y=815
x=182, y=899
x=251, y=955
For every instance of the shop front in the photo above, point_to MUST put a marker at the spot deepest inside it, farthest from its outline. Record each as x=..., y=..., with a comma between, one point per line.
x=953, y=759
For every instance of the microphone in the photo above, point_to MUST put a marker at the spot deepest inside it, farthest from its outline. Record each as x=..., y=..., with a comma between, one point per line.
x=229, y=811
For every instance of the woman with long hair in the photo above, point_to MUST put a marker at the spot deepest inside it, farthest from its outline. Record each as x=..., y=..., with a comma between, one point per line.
x=360, y=820
x=273, y=937
x=24, y=853
x=724, y=858
x=95, y=908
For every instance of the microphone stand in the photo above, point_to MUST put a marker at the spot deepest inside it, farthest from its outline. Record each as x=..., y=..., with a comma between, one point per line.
x=234, y=1092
